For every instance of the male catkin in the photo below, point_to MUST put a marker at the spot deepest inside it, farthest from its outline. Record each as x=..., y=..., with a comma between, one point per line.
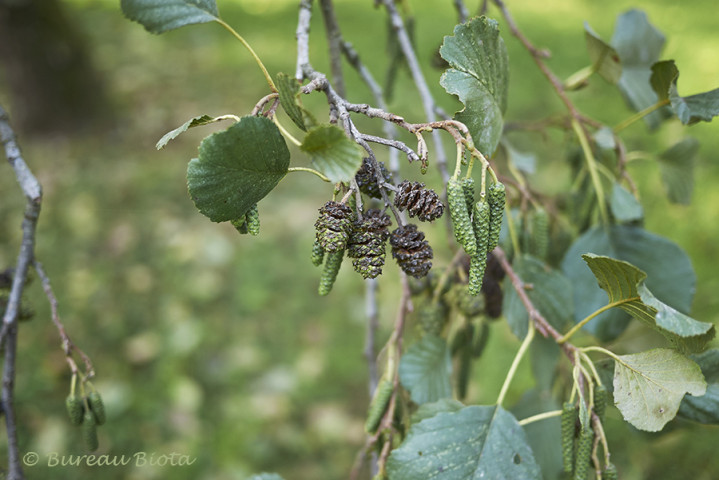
x=461, y=223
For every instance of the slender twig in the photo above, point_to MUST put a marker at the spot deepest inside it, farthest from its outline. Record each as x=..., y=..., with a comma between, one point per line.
x=302, y=35
x=259, y=63
x=309, y=170
x=420, y=82
x=261, y=104
x=540, y=416
x=411, y=155
x=372, y=314
x=334, y=41
x=462, y=12
x=67, y=346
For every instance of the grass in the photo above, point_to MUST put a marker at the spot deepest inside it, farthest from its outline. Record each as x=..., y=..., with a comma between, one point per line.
x=216, y=346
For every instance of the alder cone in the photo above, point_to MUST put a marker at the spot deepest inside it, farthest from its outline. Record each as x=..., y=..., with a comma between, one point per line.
x=411, y=250
x=367, y=243
x=421, y=202
x=333, y=226
x=367, y=179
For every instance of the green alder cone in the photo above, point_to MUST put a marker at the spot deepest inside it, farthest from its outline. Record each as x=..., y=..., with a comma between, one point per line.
x=75, y=409
x=252, y=220
x=461, y=223
x=496, y=198
x=468, y=190
x=432, y=317
x=97, y=406
x=318, y=253
x=378, y=405
x=540, y=234
x=568, y=421
x=600, y=401
x=481, y=229
x=584, y=452
x=89, y=431
x=330, y=270
x=610, y=472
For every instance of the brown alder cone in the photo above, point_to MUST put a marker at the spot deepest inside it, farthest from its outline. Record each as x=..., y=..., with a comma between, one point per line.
x=411, y=250
x=421, y=202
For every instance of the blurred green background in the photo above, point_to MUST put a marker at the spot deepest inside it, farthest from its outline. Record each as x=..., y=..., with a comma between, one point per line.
x=216, y=346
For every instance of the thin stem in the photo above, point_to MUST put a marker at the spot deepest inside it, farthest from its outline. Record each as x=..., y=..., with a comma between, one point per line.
x=592, y=166
x=515, y=364
x=639, y=115
x=589, y=362
x=284, y=132
x=334, y=43
x=540, y=416
x=601, y=350
x=252, y=52
x=310, y=170
x=586, y=319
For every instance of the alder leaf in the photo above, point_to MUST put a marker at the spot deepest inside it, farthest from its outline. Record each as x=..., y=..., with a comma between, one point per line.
x=425, y=370
x=429, y=410
x=193, y=122
x=625, y=206
x=605, y=59
x=288, y=88
x=701, y=107
x=677, y=167
x=237, y=168
x=639, y=45
x=670, y=275
x=624, y=284
x=472, y=443
x=549, y=290
x=704, y=409
x=479, y=77
x=649, y=386
x=332, y=152
x=159, y=16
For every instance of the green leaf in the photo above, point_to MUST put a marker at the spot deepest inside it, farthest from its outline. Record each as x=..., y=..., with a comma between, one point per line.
x=289, y=88
x=332, y=152
x=625, y=207
x=472, y=443
x=193, y=122
x=550, y=292
x=677, y=167
x=690, y=110
x=624, y=284
x=670, y=274
x=704, y=409
x=429, y=410
x=425, y=370
x=159, y=16
x=639, y=45
x=649, y=386
x=479, y=77
x=237, y=168
x=605, y=59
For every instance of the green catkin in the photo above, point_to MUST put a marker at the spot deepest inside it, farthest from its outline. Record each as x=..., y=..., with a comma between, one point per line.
x=75, y=408
x=89, y=431
x=378, y=405
x=318, y=253
x=481, y=229
x=610, y=472
x=540, y=234
x=94, y=400
x=584, y=452
x=496, y=197
x=600, y=401
x=568, y=421
x=468, y=190
x=461, y=223
x=252, y=220
x=329, y=272
x=469, y=305
x=240, y=225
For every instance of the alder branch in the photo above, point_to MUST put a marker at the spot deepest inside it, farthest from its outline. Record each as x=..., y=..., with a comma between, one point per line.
x=8, y=334
x=421, y=83
x=334, y=41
